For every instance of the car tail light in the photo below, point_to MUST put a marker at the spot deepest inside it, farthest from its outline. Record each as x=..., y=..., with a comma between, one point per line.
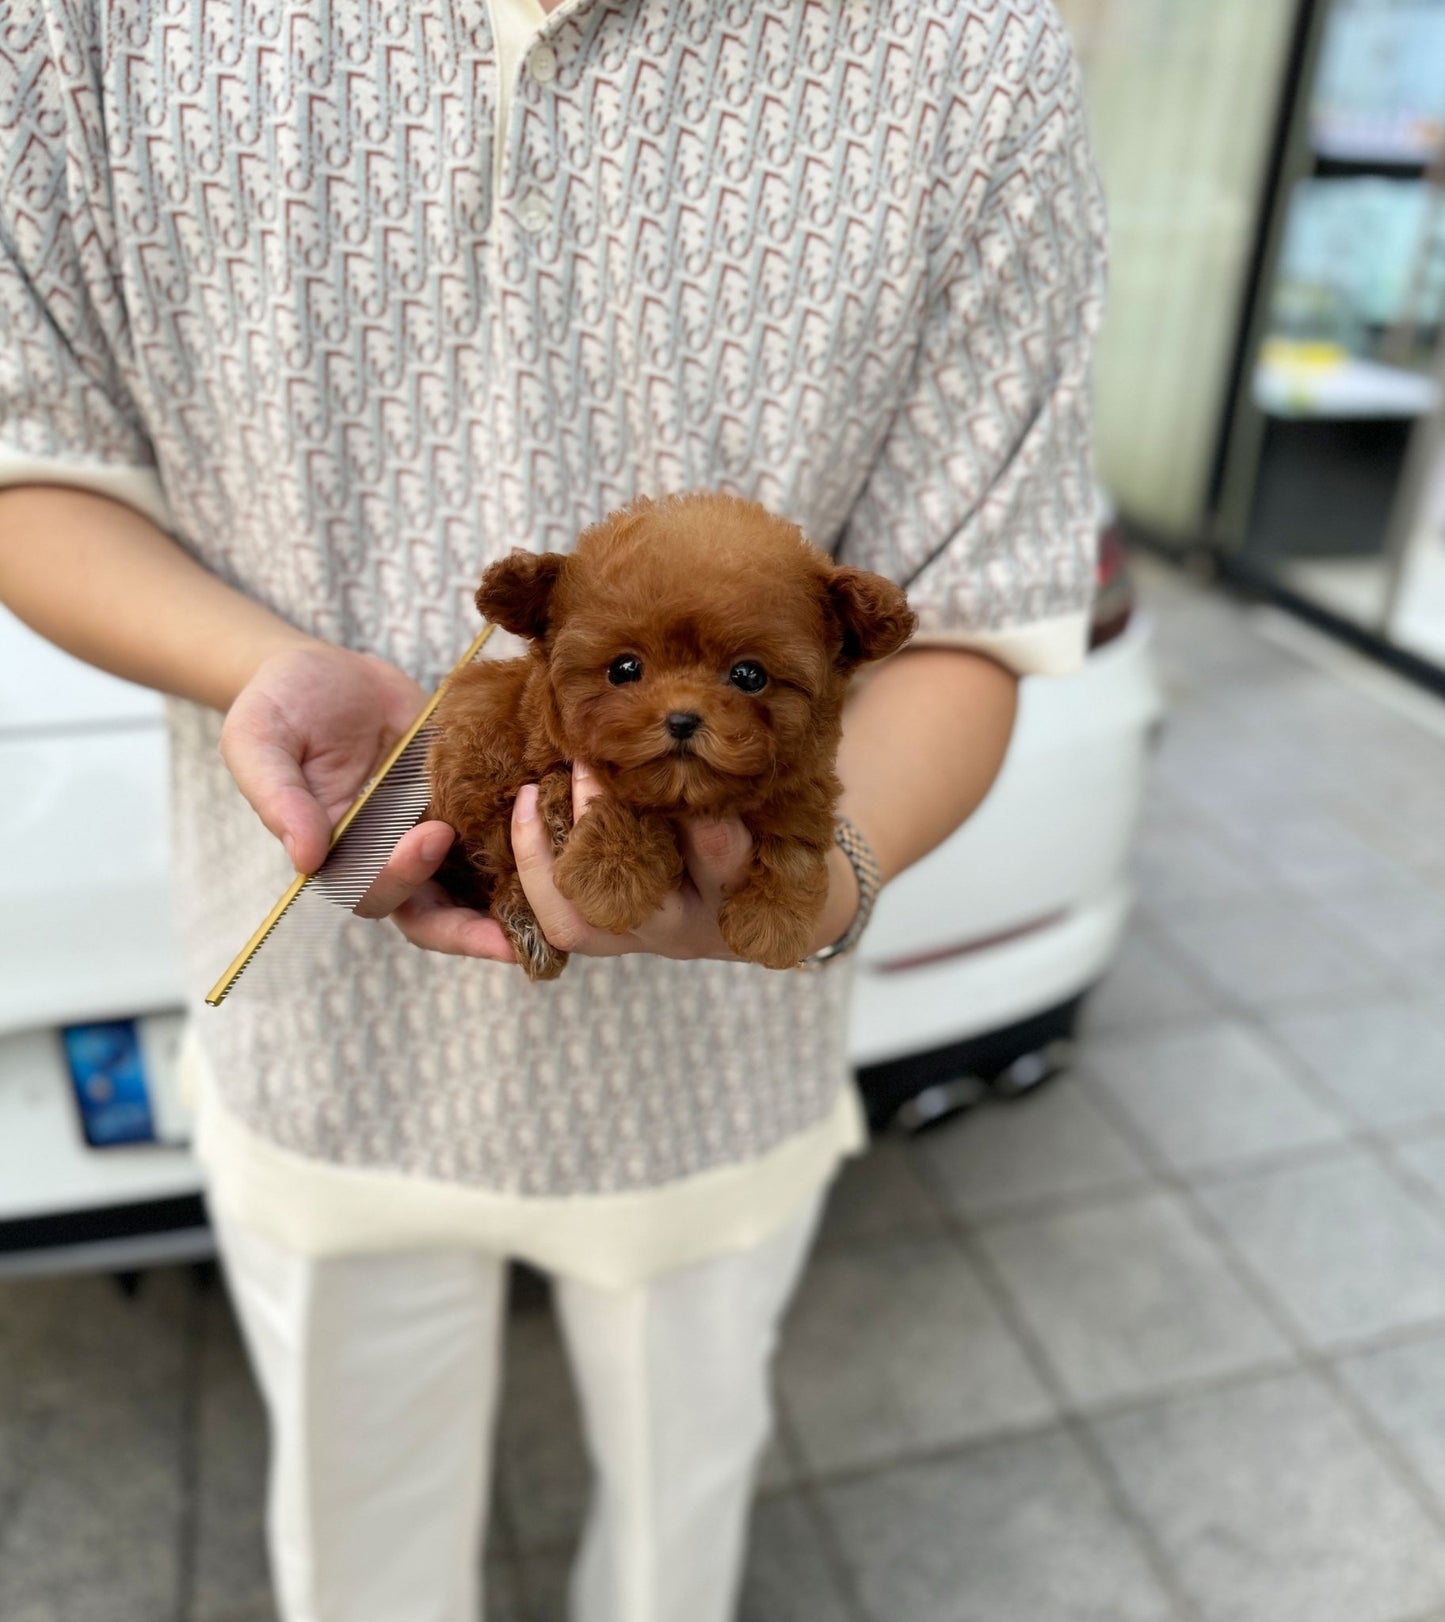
x=1113, y=588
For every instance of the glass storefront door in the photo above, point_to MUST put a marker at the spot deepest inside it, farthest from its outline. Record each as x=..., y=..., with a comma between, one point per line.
x=1270, y=375
x=1333, y=489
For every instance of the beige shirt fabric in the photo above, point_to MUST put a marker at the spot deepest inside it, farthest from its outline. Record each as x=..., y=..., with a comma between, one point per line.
x=355, y=326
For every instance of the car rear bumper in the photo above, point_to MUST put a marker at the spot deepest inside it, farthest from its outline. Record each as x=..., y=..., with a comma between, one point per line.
x=947, y=1001
x=66, y=1206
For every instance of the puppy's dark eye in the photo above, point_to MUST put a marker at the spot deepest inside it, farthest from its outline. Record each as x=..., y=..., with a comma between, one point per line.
x=748, y=677
x=626, y=668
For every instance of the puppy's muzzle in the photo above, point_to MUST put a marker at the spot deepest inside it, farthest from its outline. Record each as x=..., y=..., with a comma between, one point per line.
x=681, y=724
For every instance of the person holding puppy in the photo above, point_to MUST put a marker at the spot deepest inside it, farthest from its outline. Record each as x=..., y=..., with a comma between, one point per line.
x=305, y=323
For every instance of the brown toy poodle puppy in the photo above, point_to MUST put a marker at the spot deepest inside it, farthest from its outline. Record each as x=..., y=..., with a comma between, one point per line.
x=695, y=652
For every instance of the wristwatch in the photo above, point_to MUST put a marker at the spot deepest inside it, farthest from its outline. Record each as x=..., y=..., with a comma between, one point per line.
x=850, y=840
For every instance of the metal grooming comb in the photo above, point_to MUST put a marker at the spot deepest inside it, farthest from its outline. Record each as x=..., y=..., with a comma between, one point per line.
x=390, y=804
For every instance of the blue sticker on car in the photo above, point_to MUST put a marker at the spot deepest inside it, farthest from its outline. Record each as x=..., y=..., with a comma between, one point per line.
x=110, y=1084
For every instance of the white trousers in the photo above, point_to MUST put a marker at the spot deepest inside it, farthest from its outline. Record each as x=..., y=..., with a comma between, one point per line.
x=380, y=1375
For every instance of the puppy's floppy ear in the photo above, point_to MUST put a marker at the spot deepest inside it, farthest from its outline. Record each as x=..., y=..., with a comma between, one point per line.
x=516, y=591
x=873, y=613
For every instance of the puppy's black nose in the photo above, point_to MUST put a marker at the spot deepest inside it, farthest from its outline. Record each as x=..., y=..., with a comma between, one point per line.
x=682, y=724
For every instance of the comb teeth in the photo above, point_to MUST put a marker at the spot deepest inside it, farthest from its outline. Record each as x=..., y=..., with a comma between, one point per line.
x=395, y=807
x=255, y=946
x=388, y=807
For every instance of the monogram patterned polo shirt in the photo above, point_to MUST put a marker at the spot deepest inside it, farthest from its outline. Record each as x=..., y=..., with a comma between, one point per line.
x=352, y=301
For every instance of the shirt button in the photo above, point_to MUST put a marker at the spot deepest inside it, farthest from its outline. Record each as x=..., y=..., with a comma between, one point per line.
x=533, y=213
x=542, y=64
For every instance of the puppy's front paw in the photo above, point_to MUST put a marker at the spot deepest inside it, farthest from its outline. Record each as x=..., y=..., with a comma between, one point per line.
x=612, y=897
x=762, y=929
x=616, y=868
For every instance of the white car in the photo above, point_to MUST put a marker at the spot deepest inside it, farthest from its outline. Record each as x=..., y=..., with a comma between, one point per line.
x=93, y=1165
x=973, y=970
x=970, y=974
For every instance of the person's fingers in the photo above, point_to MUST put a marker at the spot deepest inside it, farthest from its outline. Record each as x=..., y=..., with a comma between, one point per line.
x=585, y=789
x=716, y=854
x=268, y=773
x=562, y=925
x=418, y=854
x=430, y=919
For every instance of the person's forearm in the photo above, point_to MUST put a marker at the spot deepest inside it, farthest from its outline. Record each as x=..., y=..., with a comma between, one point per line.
x=103, y=582
x=924, y=737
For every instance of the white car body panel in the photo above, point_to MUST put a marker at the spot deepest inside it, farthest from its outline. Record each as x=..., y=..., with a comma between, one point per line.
x=85, y=934
x=1051, y=841
x=85, y=877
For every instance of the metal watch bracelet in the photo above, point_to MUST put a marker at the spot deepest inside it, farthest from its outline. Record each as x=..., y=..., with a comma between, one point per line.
x=850, y=840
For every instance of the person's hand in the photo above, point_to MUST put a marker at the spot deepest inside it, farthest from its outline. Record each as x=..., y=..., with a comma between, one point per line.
x=302, y=737
x=715, y=854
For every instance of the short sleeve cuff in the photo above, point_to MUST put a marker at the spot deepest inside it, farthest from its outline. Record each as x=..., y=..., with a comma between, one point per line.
x=138, y=487
x=1049, y=647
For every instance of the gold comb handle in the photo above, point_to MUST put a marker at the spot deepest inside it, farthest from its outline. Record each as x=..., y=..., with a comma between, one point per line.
x=216, y=995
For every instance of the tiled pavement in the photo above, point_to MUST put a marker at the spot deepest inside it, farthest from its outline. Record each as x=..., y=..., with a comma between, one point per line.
x=1162, y=1343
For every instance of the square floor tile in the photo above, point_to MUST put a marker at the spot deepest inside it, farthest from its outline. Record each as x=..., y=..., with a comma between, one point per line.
x=1315, y=851
x=95, y=1533
x=1343, y=724
x=22, y=1441
x=1272, y=1507
x=1404, y=776
x=1207, y=760
x=879, y=1194
x=1209, y=1094
x=107, y=1481
x=540, y=1590
x=895, y=1348
x=1180, y=859
x=1226, y=657
x=1402, y=917
x=1382, y=1059
x=1431, y=870
x=229, y=1571
x=1272, y=951
x=788, y=1577
x=1424, y=978
x=140, y=1585
x=1424, y=1155
x=1049, y=1145
x=776, y=1469
x=1241, y=786
x=1404, y=1388
x=1127, y=1298
x=1144, y=988
x=64, y=1339
x=1411, y=840
x=1018, y=1531
x=1345, y=1249
x=542, y=1473
x=502, y=1594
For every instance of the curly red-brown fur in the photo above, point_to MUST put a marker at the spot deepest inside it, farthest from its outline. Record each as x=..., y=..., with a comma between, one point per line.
x=689, y=587
x=618, y=866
